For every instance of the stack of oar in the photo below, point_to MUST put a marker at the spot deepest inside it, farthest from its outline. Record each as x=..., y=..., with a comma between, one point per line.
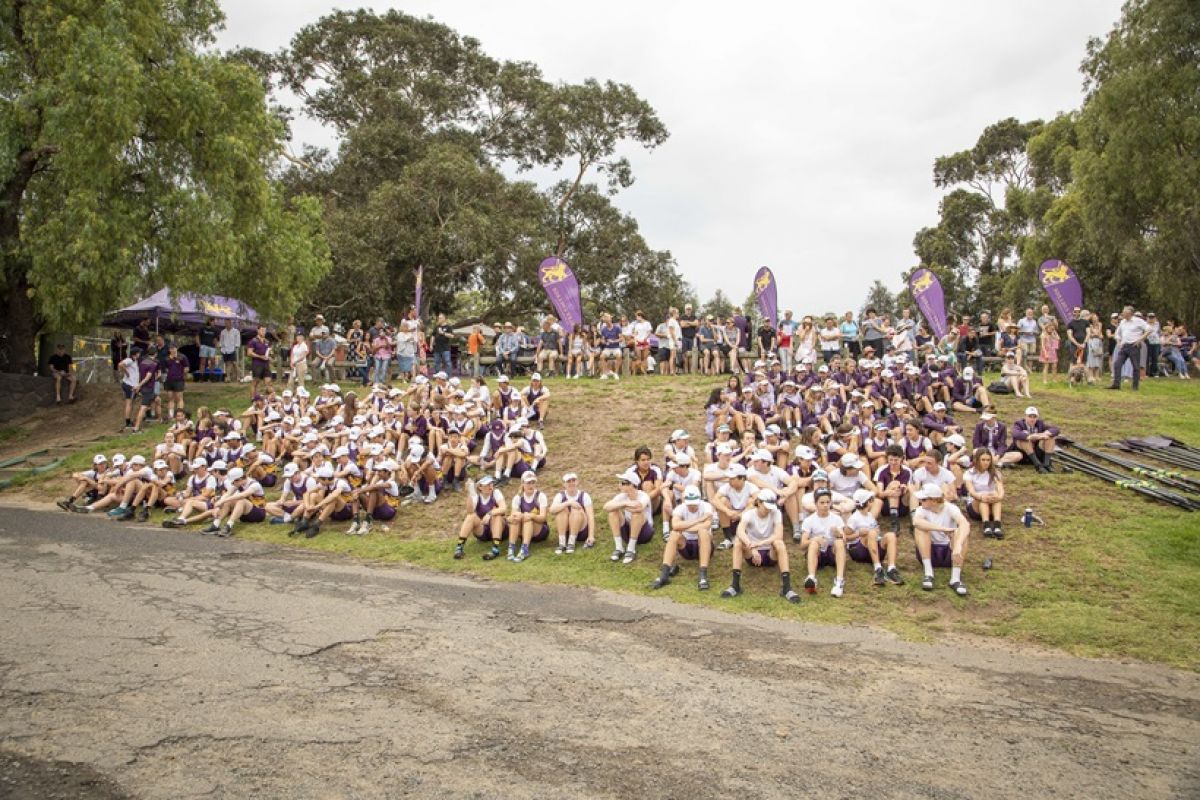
x=1167, y=487
x=1162, y=448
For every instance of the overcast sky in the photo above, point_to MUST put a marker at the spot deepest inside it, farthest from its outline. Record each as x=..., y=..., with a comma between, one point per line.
x=802, y=136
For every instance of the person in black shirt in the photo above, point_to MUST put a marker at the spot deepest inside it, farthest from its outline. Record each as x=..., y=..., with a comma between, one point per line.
x=766, y=337
x=141, y=334
x=60, y=367
x=986, y=331
x=206, y=337
x=443, y=336
x=119, y=351
x=1077, y=334
x=689, y=323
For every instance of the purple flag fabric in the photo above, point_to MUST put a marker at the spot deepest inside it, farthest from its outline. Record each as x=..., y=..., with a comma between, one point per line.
x=931, y=300
x=1063, y=287
x=563, y=290
x=767, y=294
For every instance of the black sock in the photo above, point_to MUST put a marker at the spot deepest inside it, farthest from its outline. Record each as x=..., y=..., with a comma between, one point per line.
x=737, y=580
x=462, y=541
x=785, y=581
x=664, y=573
x=704, y=573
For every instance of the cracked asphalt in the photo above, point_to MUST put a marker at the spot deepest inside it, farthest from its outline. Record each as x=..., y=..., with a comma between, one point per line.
x=140, y=663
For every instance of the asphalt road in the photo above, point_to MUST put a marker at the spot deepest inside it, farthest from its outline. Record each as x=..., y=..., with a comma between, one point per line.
x=152, y=664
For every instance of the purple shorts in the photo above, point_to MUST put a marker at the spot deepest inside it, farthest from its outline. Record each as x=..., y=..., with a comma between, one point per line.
x=289, y=508
x=384, y=512
x=541, y=534
x=644, y=535
x=255, y=514
x=344, y=515
x=768, y=557
x=826, y=558
x=972, y=513
x=903, y=507
x=939, y=554
x=859, y=552
x=691, y=549
x=485, y=535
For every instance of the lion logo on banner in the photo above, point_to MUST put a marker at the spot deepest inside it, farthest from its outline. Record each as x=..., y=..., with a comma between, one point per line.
x=554, y=273
x=762, y=283
x=215, y=309
x=922, y=282
x=1055, y=275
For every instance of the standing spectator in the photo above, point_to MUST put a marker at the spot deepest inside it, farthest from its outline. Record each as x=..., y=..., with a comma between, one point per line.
x=475, y=344
x=1110, y=335
x=230, y=341
x=443, y=339
x=640, y=331
x=206, y=338
x=1049, y=350
x=318, y=330
x=381, y=356
x=1028, y=331
x=408, y=344
x=147, y=378
x=609, y=341
x=141, y=335
x=969, y=351
x=1077, y=334
x=545, y=356
x=831, y=339
x=872, y=332
x=324, y=352
x=783, y=340
x=506, y=350
x=1095, y=347
x=356, y=351
x=260, y=360
x=904, y=334
x=986, y=331
x=674, y=341
x=689, y=326
x=1128, y=336
x=1045, y=317
x=298, y=361
x=731, y=345
x=130, y=376
x=175, y=373
x=61, y=369
x=806, y=342
x=1153, y=345
x=850, y=332
x=119, y=351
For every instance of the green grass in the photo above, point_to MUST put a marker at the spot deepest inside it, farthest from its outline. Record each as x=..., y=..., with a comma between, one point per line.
x=1109, y=575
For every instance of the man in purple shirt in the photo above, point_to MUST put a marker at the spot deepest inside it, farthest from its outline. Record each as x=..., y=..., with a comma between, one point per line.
x=176, y=368
x=260, y=360
x=1035, y=439
x=147, y=375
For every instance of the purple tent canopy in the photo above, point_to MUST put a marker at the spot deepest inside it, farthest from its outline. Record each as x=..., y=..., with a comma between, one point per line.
x=171, y=312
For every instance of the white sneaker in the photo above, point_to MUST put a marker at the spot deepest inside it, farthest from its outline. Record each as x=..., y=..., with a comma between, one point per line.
x=630, y=555
x=365, y=528
x=604, y=377
x=353, y=529
x=430, y=498
x=839, y=586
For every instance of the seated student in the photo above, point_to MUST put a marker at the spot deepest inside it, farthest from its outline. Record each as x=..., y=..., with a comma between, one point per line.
x=985, y=492
x=1016, y=376
x=823, y=543
x=679, y=477
x=941, y=532
x=893, y=482
x=841, y=504
x=680, y=443
x=716, y=474
x=453, y=455
x=87, y=482
x=863, y=540
x=876, y=446
x=173, y=452
x=377, y=498
x=156, y=491
x=574, y=516
x=501, y=451
x=915, y=444
x=993, y=434
x=527, y=518
x=122, y=488
x=196, y=504
x=766, y=476
x=629, y=518
x=939, y=424
x=536, y=398
x=1034, y=439
x=330, y=500
x=422, y=473
x=932, y=471
x=650, y=476
x=731, y=501
x=243, y=501
x=968, y=392
x=848, y=476
x=485, y=518
x=691, y=537
x=958, y=456
x=296, y=484
x=760, y=539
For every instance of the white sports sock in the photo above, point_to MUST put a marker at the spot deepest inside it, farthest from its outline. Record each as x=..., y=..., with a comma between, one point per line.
x=928, y=564
x=562, y=541
x=632, y=548
x=618, y=544
x=955, y=574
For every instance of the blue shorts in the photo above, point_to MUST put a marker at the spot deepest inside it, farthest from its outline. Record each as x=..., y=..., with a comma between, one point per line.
x=208, y=352
x=128, y=391
x=404, y=363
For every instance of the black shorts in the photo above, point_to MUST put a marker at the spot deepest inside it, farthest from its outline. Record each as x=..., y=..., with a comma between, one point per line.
x=229, y=358
x=260, y=369
x=664, y=354
x=854, y=348
x=148, y=396
x=128, y=391
x=173, y=386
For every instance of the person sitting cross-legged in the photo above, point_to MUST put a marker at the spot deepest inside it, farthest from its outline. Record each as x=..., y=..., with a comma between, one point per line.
x=691, y=537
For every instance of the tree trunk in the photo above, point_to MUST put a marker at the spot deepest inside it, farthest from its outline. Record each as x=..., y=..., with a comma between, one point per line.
x=18, y=330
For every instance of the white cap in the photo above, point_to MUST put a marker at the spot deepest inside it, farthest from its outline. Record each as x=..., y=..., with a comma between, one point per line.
x=416, y=453
x=767, y=498
x=529, y=477
x=862, y=497
x=338, y=419
x=761, y=455
x=930, y=491
x=628, y=477
x=264, y=458
x=678, y=433
x=232, y=436
x=291, y=469
x=956, y=439
x=341, y=451
x=939, y=406
x=100, y=458
x=773, y=428
x=219, y=465
x=302, y=392
x=724, y=449
x=502, y=379
x=1032, y=411
x=440, y=375
x=198, y=462
x=374, y=449
x=118, y=459
x=388, y=464
x=537, y=376
x=969, y=373
x=159, y=464
x=691, y=495
x=805, y=452
x=570, y=476
x=987, y=415
x=248, y=449
x=683, y=460
x=139, y=460
x=737, y=471
x=325, y=471
x=236, y=474
x=850, y=461
x=820, y=475
x=287, y=392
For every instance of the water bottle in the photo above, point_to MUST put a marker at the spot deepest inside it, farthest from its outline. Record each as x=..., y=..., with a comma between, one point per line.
x=1028, y=517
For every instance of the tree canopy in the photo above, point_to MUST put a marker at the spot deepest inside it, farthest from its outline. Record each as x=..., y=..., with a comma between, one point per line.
x=134, y=158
